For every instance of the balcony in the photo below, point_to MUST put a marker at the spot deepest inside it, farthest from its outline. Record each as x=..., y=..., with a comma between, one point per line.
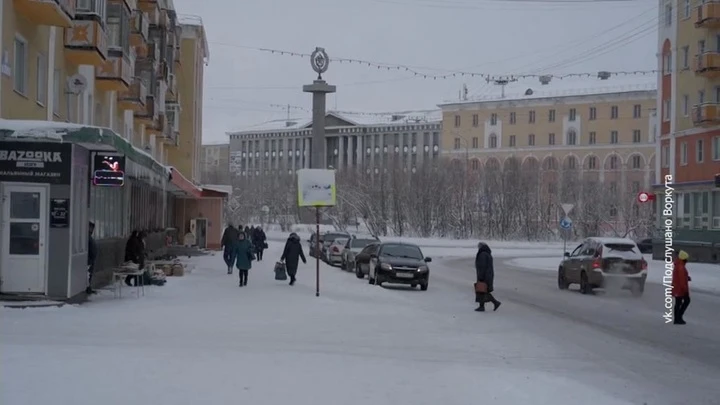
x=116, y=73
x=140, y=30
x=171, y=93
x=134, y=98
x=158, y=18
x=148, y=5
x=708, y=15
x=158, y=127
x=149, y=115
x=708, y=65
x=55, y=13
x=86, y=43
x=706, y=114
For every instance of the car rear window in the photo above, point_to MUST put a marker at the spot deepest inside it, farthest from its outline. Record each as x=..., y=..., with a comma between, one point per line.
x=406, y=251
x=621, y=250
x=340, y=241
x=361, y=243
x=330, y=237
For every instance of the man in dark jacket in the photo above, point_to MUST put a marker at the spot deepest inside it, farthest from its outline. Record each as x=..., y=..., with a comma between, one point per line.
x=485, y=272
x=135, y=252
x=228, y=244
x=292, y=254
x=92, y=256
x=258, y=240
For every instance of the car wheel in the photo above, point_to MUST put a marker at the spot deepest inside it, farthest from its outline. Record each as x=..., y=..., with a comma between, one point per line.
x=358, y=271
x=585, y=286
x=637, y=288
x=562, y=282
x=424, y=286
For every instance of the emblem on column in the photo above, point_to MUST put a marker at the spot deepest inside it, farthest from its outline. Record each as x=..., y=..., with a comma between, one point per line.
x=319, y=61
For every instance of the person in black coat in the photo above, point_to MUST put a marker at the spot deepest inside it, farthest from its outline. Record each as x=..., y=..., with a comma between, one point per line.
x=258, y=241
x=228, y=244
x=135, y=252
x=485, y=273
x=292, y=254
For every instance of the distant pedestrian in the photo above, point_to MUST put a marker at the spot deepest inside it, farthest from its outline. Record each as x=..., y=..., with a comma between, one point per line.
x=227, y=243
x=485, y=274
x=92, y=256
x=292, y=254
x=243, y=257
x=135, y=253
x=680, y=287
x=259, y=241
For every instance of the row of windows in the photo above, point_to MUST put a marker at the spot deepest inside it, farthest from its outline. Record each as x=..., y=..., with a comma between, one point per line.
x=571, y=139
x=571, y=163
x=276, y=145
x=572, y=116
x=695, y=210
x=700, y=152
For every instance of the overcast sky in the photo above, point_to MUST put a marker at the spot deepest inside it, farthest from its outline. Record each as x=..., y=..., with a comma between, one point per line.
x=499, y=37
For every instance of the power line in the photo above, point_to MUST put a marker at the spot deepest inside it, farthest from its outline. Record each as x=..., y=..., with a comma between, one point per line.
x=455, y=74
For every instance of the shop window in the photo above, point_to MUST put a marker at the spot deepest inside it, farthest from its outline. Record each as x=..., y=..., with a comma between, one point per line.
x=106, y=210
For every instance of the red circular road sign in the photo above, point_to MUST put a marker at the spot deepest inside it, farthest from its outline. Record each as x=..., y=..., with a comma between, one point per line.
x=644, y=197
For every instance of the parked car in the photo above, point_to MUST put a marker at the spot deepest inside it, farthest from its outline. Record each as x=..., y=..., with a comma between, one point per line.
x=334, y=252
x=645, y=246
x=328, y=238
x=599, y=260
x=312, y=244
x=352, y=248
x=395, y=263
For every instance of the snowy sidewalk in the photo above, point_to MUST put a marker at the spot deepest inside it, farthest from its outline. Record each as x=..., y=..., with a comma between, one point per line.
x=203, y=339
x=705, y=277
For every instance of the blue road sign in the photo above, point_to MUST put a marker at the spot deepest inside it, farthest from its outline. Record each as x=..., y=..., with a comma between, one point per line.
x=566, y=223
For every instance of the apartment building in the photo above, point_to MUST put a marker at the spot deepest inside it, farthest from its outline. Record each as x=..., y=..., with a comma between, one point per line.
x=193, y=57
x=368, y=142
x=604, y=135
x=215, y=163
x=689, y=99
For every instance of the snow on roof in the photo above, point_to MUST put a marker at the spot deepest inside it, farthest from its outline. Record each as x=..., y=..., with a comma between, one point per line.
x=356, y=118
x=197, y=22
x=52, y=130
x=559, y=88
x=221, y=188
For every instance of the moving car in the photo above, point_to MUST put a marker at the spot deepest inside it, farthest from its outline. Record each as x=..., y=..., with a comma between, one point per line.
x=352, y=248
x=334, y=252
x=600, y=261
x=645, y=246
x=395, y=263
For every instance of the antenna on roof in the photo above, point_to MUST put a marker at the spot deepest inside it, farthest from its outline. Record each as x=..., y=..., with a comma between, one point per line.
x=502, y=82
x=287, y=108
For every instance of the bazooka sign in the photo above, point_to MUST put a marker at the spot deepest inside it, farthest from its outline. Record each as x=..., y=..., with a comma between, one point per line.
x=35, y=162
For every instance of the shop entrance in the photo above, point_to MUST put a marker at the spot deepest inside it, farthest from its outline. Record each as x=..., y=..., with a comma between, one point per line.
x=24, y=238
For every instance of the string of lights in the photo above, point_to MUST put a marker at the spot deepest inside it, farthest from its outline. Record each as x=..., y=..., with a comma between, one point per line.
x=489, y=77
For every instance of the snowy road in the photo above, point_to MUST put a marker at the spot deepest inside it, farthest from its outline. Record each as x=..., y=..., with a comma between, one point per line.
x=202, y=339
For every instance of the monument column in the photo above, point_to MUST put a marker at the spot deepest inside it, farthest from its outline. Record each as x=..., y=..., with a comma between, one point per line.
x=319, y=61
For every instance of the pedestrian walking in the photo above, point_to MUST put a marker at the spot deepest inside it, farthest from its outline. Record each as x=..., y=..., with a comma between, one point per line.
x=92, y=256
x=485, y=274
x=680, y=287
x=259, y=241
x=243, y=257
x=227, y=243
x=292, y=254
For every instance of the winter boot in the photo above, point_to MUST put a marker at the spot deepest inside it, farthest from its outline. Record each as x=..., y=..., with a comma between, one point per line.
x=229, y=269
x=480, y=308
x=496, y=305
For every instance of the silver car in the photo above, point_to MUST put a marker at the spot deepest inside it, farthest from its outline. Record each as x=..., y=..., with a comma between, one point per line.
x=334, y=252
x=353, y=247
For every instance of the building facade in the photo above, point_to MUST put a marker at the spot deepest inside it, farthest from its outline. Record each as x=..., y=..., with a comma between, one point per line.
x=215, y=163
x=689, y=141
x=102, y=75
x=593, y=138
x=370, y=143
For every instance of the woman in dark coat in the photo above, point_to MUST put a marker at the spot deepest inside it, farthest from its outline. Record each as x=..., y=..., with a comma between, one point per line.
x=258, y=240
x=244, y=257
x=227, y=243
x=135, y=252
x=292, y=254
x=485, y=273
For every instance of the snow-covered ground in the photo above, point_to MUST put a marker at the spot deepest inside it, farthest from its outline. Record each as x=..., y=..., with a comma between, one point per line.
x=705, y=277
x=203, y=339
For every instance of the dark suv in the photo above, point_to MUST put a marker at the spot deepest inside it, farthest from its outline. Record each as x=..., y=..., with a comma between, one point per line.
x=393, y=262
x=598, y=262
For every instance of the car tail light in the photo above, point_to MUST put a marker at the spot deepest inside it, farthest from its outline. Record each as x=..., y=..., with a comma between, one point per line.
x=643, y=265
x=335, y=249
x=597, y=263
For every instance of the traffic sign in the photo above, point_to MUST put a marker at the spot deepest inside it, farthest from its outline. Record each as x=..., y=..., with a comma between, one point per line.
x=644, y=197
x=566, y=223
x=567, y=208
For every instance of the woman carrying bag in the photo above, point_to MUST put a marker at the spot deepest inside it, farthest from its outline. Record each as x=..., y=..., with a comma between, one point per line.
x=485, y=273
x=292, y=254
